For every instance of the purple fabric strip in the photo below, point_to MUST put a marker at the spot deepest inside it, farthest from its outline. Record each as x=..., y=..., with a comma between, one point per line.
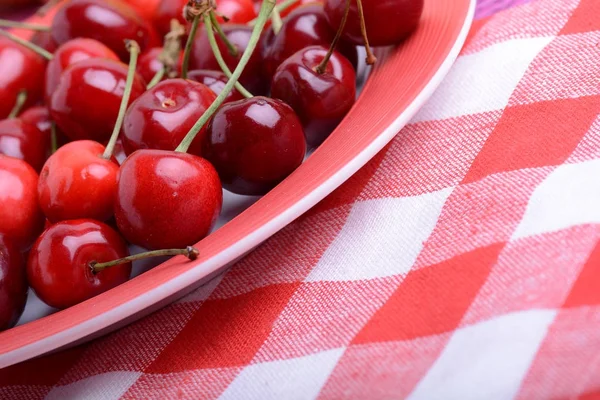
x=485, y=8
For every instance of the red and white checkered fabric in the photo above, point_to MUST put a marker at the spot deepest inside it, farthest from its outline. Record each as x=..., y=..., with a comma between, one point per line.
x=463, y=262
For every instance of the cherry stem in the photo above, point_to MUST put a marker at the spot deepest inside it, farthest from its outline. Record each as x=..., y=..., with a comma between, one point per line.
x=134, y=51
x=23, y=25
x=230, y=47
x=281, y=7
x=276, y=21
x=323, y=65
x=371, y=59
x=19, y=103
x=42, y=52
x=188, y=46
x=190, y=252
x=219, y=56
x=265, y=11
x=53, y=138
x=160, y=74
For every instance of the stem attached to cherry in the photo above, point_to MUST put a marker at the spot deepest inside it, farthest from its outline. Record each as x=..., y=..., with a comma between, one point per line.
x=193, y=12
x=215, y=23
x=134, y=51
x=4, y=23
x=188, y=46
x=276, y=21
x=320, y=69
x=265, y=11
x=371, y=59
x=281, y=7
x=42, y=52
x=169, y=56
x=219, y=57
x=190, y=252
x=21, y=99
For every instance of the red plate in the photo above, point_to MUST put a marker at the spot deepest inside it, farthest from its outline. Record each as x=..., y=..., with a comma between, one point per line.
x=400, y=84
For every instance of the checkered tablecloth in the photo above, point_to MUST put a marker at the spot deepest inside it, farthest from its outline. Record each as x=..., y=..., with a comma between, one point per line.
x=463, y=262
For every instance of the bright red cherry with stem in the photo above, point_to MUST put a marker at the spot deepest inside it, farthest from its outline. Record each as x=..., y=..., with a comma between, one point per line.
x=21, y=219
x=13, y=284
x=40, y=117
x=108, y=21
x=387, y=22
x=24, y=141
x=215, y=81
x=58, y=268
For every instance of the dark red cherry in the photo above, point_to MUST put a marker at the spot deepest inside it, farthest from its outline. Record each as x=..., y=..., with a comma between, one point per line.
x=149, y=64
x=40, y=117
x=13, y=284
x=58, y=267
x=77, y=182
x=162, y=116
x=254, y=144
x=320, y=100
x=108, y=21
x=388, y=22
x=236, y=11
x=86, y=102
x=44, y=40
x=20, y=69
x=305, y=26
x=24, y=141
x=165, y=12
x=70, y=53
x=215, y=81
x=166, y=199
x=21, y=219
x=202, y=56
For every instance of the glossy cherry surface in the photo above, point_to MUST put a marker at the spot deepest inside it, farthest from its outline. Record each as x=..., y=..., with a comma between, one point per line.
x=44, y=40
x=165, y=12
x=13, y=284
x=86, y=102
x=21, y=219
x=162, y=116
x=20, y=69
x=71, y=52
x=24, y=141
x=236, y=11
x=149, y=64
x=239, y=35
x=254, y=144
x=167, y=199
x=305, y=26
x=76, y=182
x=40, y=117
x=215, y=81
x=58, y=267
x=108, y=21
x=388, y=22
x=320, y=100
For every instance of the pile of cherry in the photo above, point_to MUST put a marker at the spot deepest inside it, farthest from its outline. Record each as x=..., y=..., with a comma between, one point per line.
x=180, y=90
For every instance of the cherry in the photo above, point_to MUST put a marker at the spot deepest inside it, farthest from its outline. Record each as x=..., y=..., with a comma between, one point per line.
x=21, y=69
x=215, y=81
x=58, y=268
x=236, y=11
x=69, y=53
x=254, y=144
x=13, y=284
x=161, y=117
x=165, y=12
x=21, y=219
x=24, y=141
x=108, y=21
x=166, y=199
x=291, y=8
x=40, y=117
x=387, y=22
x=44, y=40
x=320, y=99
x=86, y=102
x=150, y=64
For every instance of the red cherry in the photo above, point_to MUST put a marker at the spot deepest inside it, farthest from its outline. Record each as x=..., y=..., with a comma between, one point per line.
x=162, y=116
x=44, y=40
x=166, y=199
x=305, y=26
x=40, y=117
x=10, y=5
x=13, y=284
x=320, y=100
x=58, y=268
x=236, y=11
x=108, y=21
x=24, y=141
x=291, y=8
x=70, y=53
x=165, y=12
x=215, y=81
x=149, y=64
x=202, y=56
x=254, y=144
x=21, y=219
x=76, y=182
x=20, y=69
x=387, y=22
x=86, y=102
x=145, y=8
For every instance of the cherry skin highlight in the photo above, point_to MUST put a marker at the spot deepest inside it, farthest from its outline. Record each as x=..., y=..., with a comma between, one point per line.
x=215, y=81
x=24, y=141
x=58, y=267
x=21, y=219
x=13, y=284
x=76, y=182
x=86, y=102
x=166, y=199
x=254, y=144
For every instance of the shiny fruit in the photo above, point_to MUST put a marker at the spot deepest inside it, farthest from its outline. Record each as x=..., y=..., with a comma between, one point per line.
x=215, y=81
x=13, y=284
x=24, y=141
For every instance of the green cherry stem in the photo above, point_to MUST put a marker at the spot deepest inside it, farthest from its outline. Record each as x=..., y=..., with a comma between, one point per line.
x=19, y=103
x=4, y=23
x=134, y=51
x=42, y=52
x=53, y=138
x=320, y=69
x=281, y=7
x=188, y=46
x=371, y=59
x=265, y=11
x=230, y=47
x=157, y=77
x=190, y=252
x=276, y=21
x=217, y=53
